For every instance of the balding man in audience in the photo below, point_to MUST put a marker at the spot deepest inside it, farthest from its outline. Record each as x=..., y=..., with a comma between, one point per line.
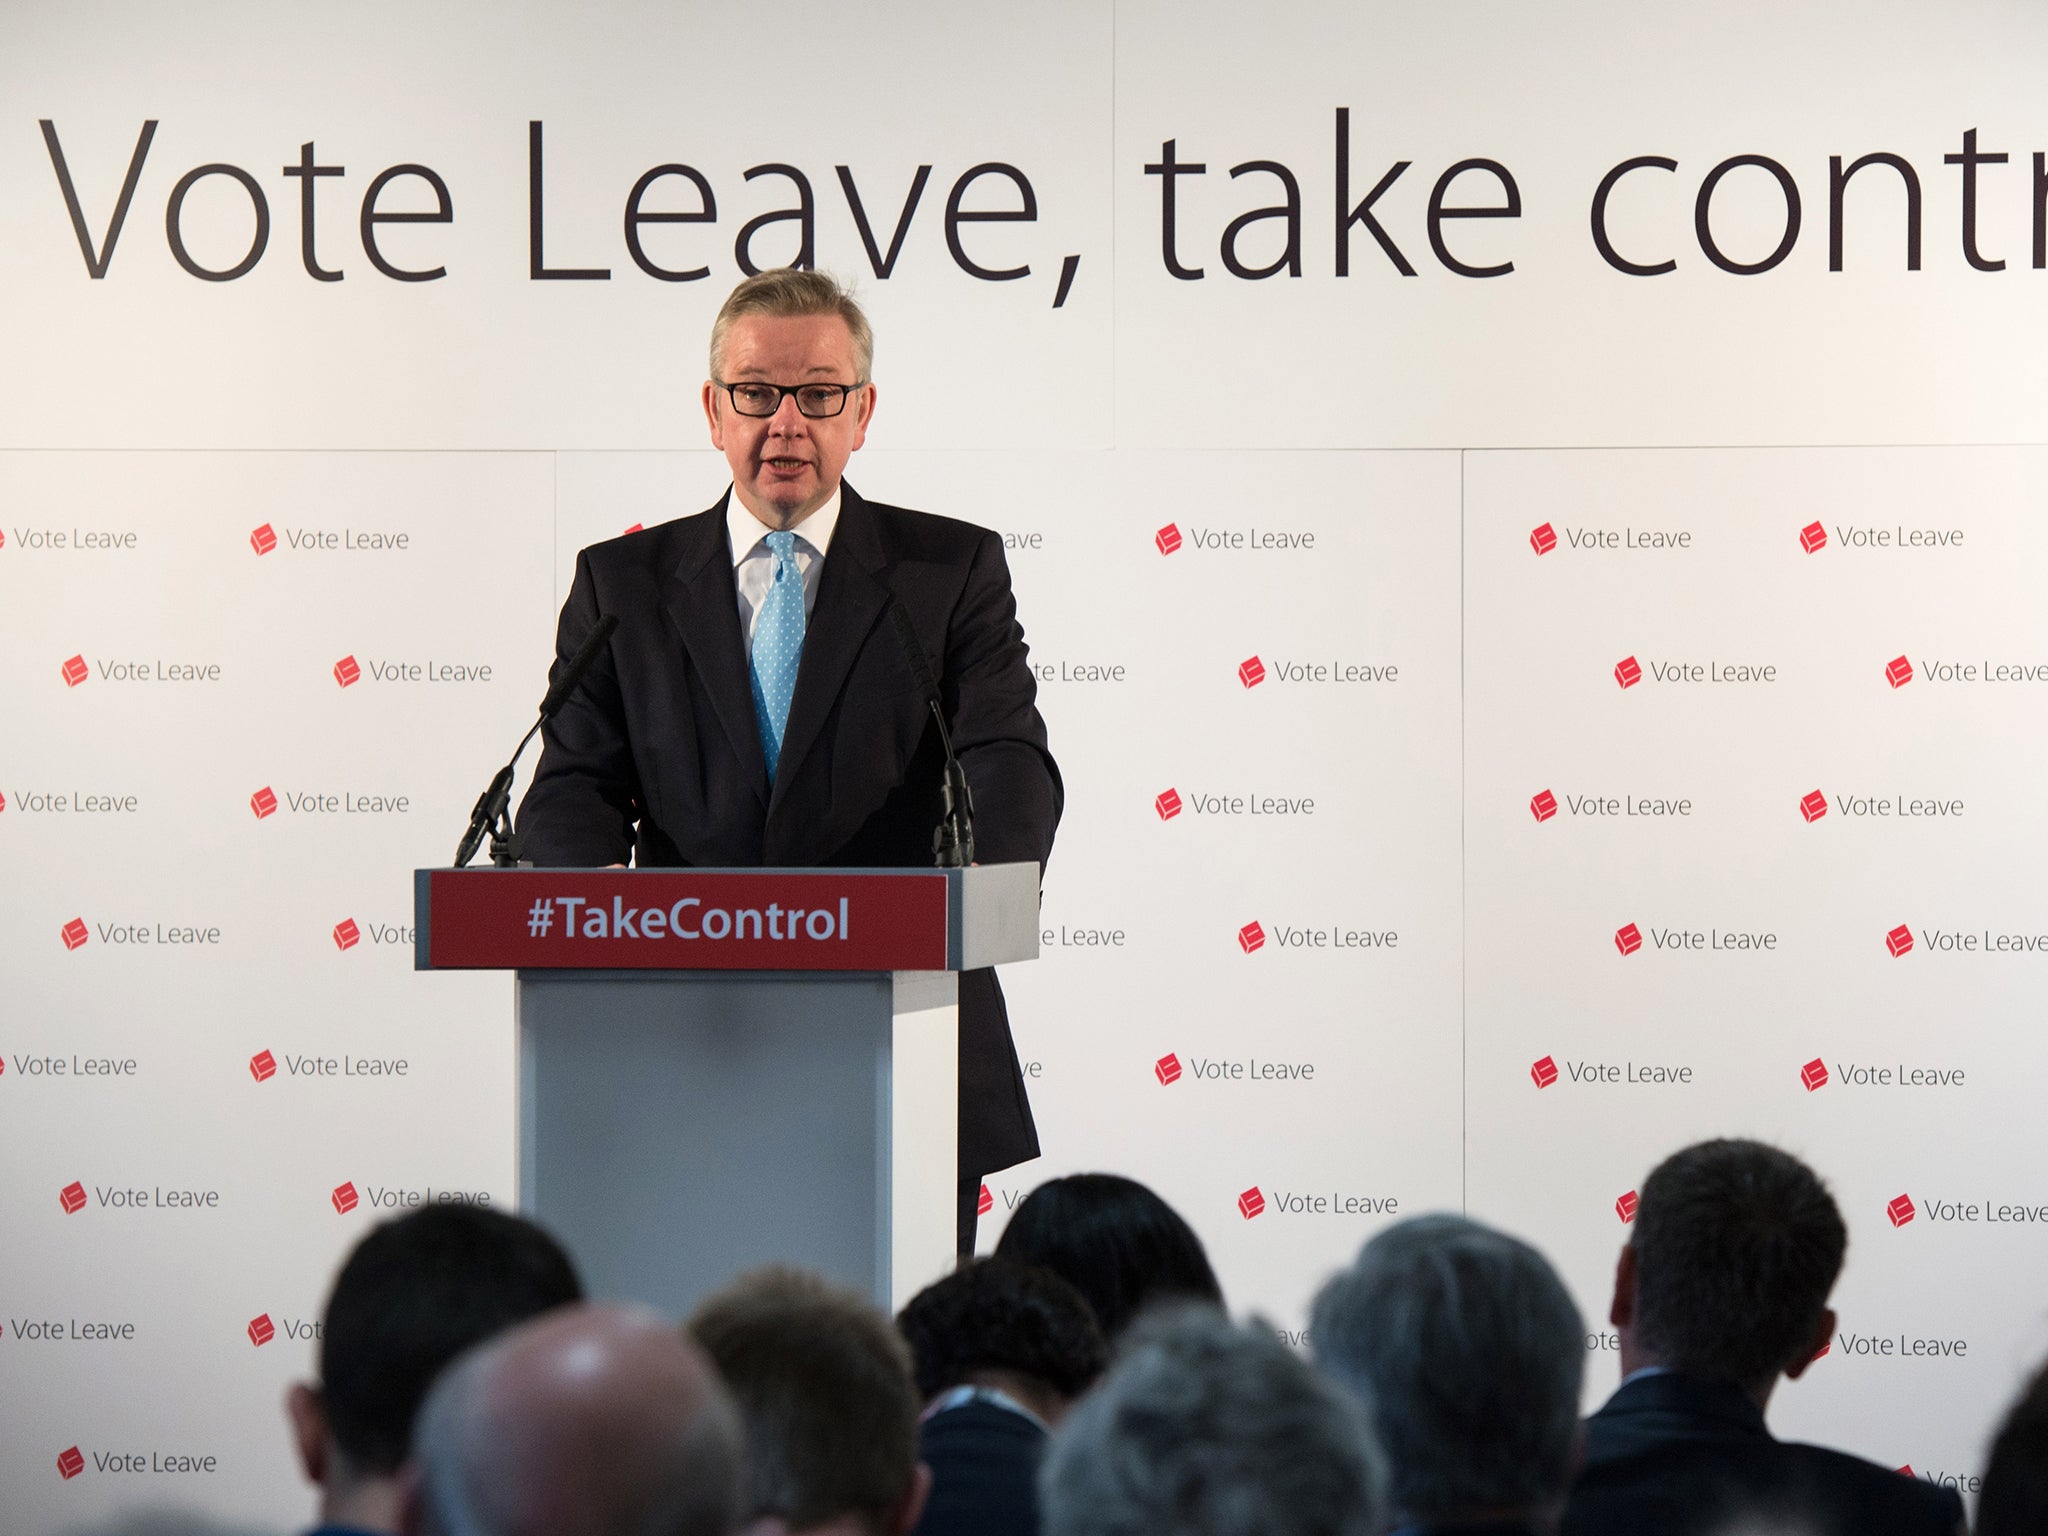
x=1722, y=1290
x=1468, y=1352
x=590, y=1421
x=1205, y=1428
x=828, y=1402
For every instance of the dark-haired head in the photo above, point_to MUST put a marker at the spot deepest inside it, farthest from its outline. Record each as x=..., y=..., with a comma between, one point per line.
x=1115, y=1242
x=2015, y=1497
x=1008, y=1325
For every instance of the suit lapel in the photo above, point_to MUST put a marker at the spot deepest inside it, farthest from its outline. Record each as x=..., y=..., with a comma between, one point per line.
x=851, y=598
x=702, y=605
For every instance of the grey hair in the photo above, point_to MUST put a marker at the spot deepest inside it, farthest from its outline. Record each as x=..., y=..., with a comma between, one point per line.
x=1205, y=1428
x=1468, y=1351
x=790, y=293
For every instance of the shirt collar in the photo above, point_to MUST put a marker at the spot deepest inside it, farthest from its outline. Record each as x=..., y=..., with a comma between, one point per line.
x=745, y=531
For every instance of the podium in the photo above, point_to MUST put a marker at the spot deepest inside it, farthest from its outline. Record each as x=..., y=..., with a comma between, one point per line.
x=724, y=1068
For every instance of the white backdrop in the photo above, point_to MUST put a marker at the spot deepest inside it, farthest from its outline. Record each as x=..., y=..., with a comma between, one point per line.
x=1353, y=464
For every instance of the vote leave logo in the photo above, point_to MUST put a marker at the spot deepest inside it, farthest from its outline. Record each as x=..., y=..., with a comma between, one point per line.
x=1899, y=941
x=1628, y=672
x=1813, y=806
x=261, y=1329
x=70, y=1463
x=263, y=802
x=1814, y=1074
x=347, y=935
x=75, y=933
x=1625, y=1207
x=1628, y=938
x=1167, y=1069
x=1251, y=671
x=1813, y=538
x=1900, y=1209
x=1250, y=1203
x=72, y=1198
x=1898, y=671
x=75, y=671
x=634, y=529
x=1167, y=538
x=1543, y=538
x=344, y=1197
x=263, y=1066
x=1543, y=805
x=1167, y=804
x=263, y=538
x=984, y=1202
x=1251, y=938
x=3, y=802
x=1543, y=1072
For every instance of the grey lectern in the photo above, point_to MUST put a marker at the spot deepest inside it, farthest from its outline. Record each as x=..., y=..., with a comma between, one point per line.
x=720, y=1069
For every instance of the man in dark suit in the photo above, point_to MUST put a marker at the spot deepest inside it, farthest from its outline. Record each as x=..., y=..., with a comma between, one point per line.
x=757, y=707
x=1721, y=1289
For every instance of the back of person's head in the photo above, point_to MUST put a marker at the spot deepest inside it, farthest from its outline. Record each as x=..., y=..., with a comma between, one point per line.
x=415, y=1293
x=996, y=1316
x=2014, y=1501
x=1737, y=1245
x=1468, y=1352
x=1115, y=1242
x=826, y=1397
x=599, y=1420
x=1204, y=1428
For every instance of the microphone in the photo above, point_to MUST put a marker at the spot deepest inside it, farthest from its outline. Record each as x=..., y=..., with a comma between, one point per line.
x=490, y=812
x=953, y=839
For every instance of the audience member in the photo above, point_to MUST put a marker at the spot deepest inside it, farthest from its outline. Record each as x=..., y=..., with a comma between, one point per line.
x=828, y=1404
x=417, y=1292
x=1115, y=1242
x=590, y=1421
x=1721, y=1289
x=1001, y=1350
x=2014, y=1501
x=1468, y=1353
x=1204, y=1428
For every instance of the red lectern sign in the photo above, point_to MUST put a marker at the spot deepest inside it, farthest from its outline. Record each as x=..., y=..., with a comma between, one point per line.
x=691, y=920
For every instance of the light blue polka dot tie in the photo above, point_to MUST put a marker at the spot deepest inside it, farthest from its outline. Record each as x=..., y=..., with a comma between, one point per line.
x=778, y=646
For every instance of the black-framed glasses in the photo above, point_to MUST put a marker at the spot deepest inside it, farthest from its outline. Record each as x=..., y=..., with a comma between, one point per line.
x=816, y=401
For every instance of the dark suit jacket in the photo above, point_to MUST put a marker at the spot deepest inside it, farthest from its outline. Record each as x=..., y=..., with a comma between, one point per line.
x=1673, y=1455
x=657, y=753
x=984, y=1462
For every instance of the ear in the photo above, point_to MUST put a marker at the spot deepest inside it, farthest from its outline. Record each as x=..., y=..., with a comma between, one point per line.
x=863, y=414
x=1821, y=1335
x=911, y=1510
x=711, y=393
x=307, y=1412
x=1622, y=1310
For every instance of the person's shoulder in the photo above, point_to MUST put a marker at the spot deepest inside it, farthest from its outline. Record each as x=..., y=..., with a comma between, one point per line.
x=1908, y=1503
x=926, y=533
x=654, y=546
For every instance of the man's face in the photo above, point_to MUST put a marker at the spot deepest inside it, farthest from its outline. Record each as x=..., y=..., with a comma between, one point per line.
x=786, y=466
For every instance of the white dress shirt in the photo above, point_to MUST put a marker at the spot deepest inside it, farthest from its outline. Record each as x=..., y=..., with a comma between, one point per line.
x=753, y=563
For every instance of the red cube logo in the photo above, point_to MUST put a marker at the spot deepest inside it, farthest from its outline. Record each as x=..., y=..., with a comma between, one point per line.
x=346, y=671
x=1543, y=805
x=75, y=933
x=984, y=1202
x=3, y=802
x=1628, y=672
x=263, y=539
x=1906, y=1470
x=1813, y=806
x=261, y=1329
x=1901, y=1210
x=75, y=671
x=1251, y=938
x=1250, y=1203
x=347, y=935
x=70, y=1463
x=1628, y=938
x=1251, y=672
x=263, y=1066
x=634, y=529
x=1167, y=804
x=344, y=1198
x=263, y=802
x=1814, y=1074
x=1898, y=671
x=1625, y=1207
x=1167, y=538
x=1543, y=1072
x=1826, y=1345
x=1167, y=1069
x=1543, y=538
x=1899, y=941
x=1813, y=538
x=72, y=1198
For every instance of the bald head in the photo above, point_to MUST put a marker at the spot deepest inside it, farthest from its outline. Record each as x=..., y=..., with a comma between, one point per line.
x=588, y=1421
